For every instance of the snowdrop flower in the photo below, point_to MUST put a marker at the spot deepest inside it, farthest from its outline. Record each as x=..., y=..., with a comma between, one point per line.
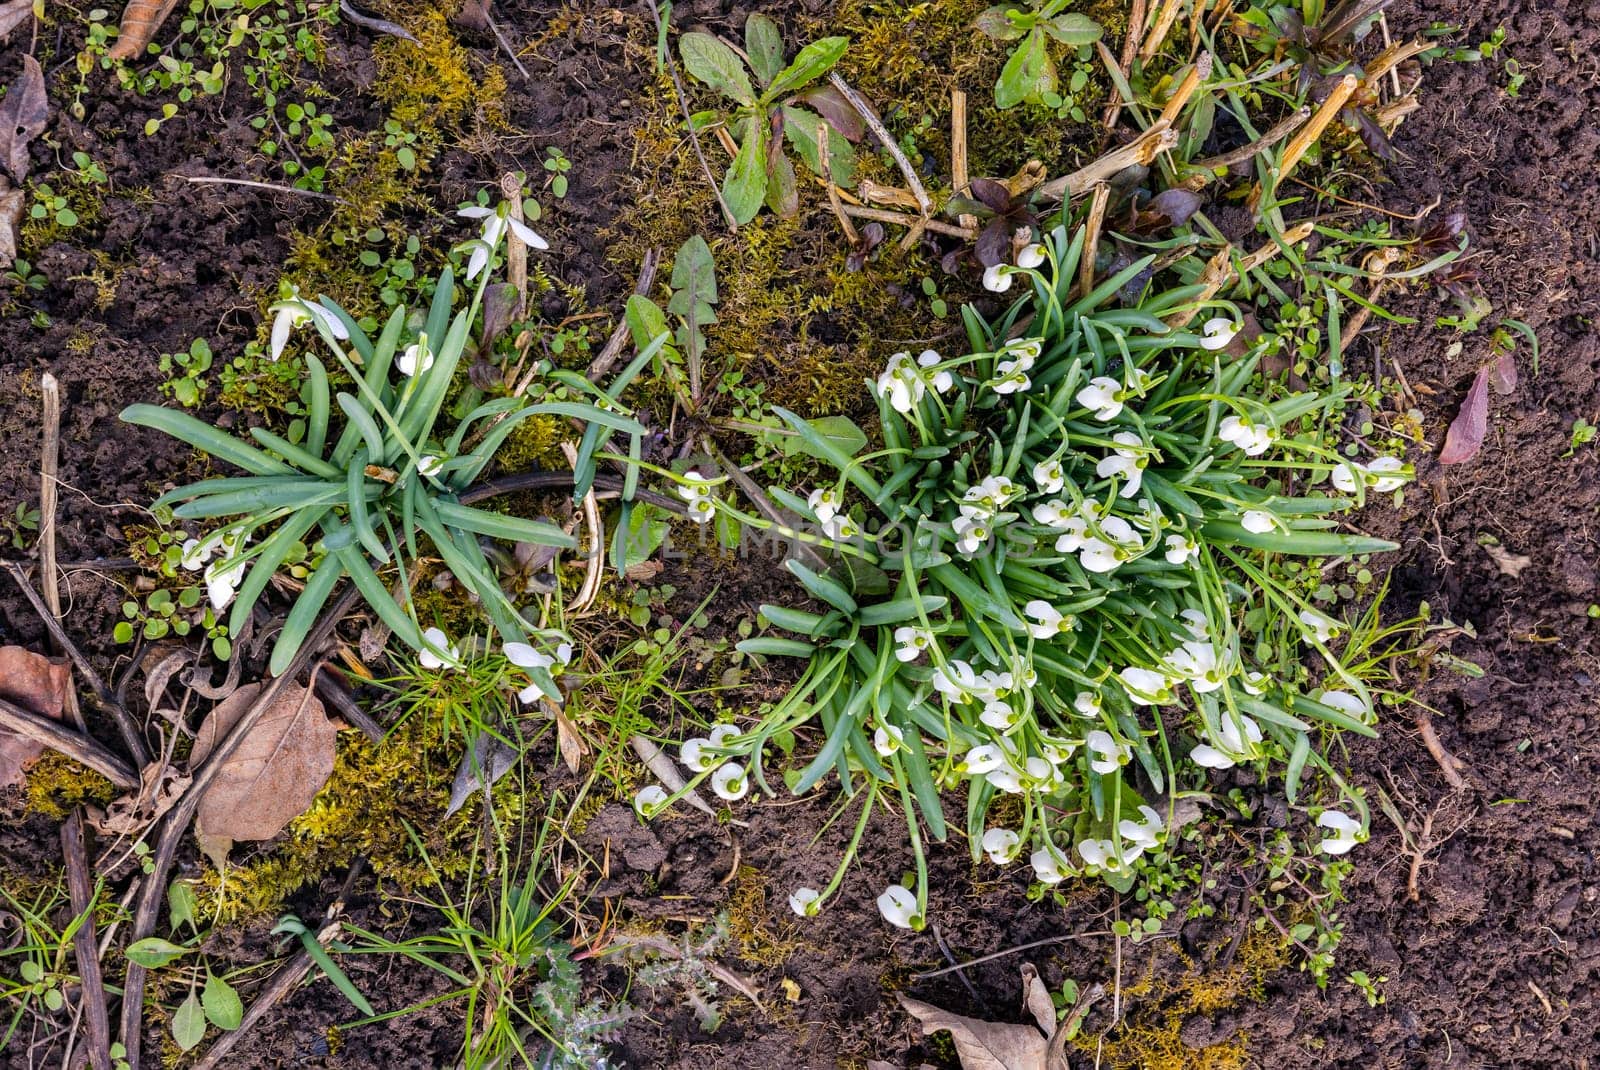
x=1102, y=854
x=428, y=465
x=649, y=801
x=1049, y=867
x=1000, y=716
x=990, y=495
x=1322, y=626
x=1127, y=463
x=416, y=359
x=1007, y=778
x=526, y=657
x=696, y=755
x=1142, y=834
x=971, y=534
x=1231, y=745
x=1197, y=624
x=1111, y=754
x=730, y=783
x=1056, y=750
x=1104, y=396
x=495, y=223
x=1386, y=474
x=1027, y=350
x=984, y=758
x=196, y=552
x=1216, y=333
x=840, y=527
x=1346, y=832
x=1010, y=378
x=1198, y=663
x=898, y=906
x=1343, y=701
x=954, y=681
x=824, y=503
x=1001, y=845
x=913, y=641
x=1247, y=436
x=991, y=685
x=435, y=638
x=1254, y=683
x=1074, y=535
x=1257, y=520
x=997, y=278
x=1088, y=705
x=806, y=902
x=1048, y=477
x=887, y=739
x=720, y=734
x=902, y=383
x=1347, y=477
x=1031, y=255
x=941, y=380
x=1145, y=687
x=1049, y=621
x=696, y=492
x=297, y=312
x=1181, y=549
x=1112, y=548
x=1056, y=513
x=222, y=580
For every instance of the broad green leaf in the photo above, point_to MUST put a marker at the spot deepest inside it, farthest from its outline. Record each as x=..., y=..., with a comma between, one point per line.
x=763, y=43
x=839, y=432
x=800, y=127
x=181, y=904
x=188, y=1023
x=1028, y=74
x=997, y=22
x=783, y=191
x=1073, y=29
x=744, y=187
x=812, y=62
x=1303, y=543
x=500, y=526
x=221, y=1003
x=710, y=61
x=694, y=280
x=153, y=952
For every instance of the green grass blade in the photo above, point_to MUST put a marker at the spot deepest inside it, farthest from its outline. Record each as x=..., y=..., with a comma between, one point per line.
x=204, y=437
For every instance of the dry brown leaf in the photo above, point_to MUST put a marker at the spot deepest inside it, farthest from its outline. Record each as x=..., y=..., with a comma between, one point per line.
x=982, y=1045
x=1465, y=437
x=272, y=776
x=12, y=202
x=1508, y=563
x=161, y=786
x=13, y=14
x=140, y=21
x=38, y=685
x=474, y=15
x=23, y=115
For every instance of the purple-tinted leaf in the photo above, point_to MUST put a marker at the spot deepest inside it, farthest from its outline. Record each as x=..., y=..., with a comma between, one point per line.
x=1176, y=205
x=994, y=242
x=872, y=236
x=1465, y=437
x=1444, y=231
x=950, y=263
x=992, y=193
x=831, y=105
x=499, y=307
x=1371, y=134
x=1503, y=374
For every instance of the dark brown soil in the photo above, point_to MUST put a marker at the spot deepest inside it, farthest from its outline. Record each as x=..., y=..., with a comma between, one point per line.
x=1496, y=963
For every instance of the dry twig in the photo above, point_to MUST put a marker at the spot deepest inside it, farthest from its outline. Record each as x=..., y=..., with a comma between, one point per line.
x=91, y=983
x=1157, y=139
x=892, y=146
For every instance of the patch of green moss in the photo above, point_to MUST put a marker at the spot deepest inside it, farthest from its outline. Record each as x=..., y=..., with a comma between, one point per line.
x=750, y=922
x=57, y=785
x=431, y=85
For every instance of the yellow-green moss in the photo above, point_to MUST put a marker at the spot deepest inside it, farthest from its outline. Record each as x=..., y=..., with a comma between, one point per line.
x=57, y=785
x=431, y=85
x=750, y=922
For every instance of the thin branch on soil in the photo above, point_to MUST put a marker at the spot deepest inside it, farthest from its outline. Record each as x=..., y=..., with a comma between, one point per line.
x=1199, y=71
x=1091, y=240
x=1158, y=34
x=904, y=220
x=1330, y=107
x=1141, y=150
x=505, y=45
x=49, y=468
x=1276, y=133
x=1130, y=47
x=331, y=688
x=376, y=25
x=516, y=250
x=980, y=960
x=890, y=145
x=961, y=974
x=694, y=135
x=1447, y=762
x=212, y=180
x=91, y=984
x=73, y=744
x=824, y=158
x=621, y=332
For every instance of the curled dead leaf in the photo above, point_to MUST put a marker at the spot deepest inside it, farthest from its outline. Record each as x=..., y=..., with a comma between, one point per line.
x=23, y=115
x=1465, y=437
x=982, y=1045
x=11, y=205
x=13, y=13
x=39, y=685
x=1508, y=563
x=274, y=773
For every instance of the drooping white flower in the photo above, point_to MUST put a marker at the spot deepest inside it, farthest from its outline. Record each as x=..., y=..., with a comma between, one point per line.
x=721, y=733
x=940, y=380
x=435, y=639
x=1344, y=701
x=1346, y=832
x=806, y=902
x=997, y=278
x=649, y=800
x=1386, y=474
x=696, y=755
x=1258, y=520
x=1110, y=755
x=911, y=641
x=1218, y=332
x=1057, y=750
x=527, y=657
x=1001, y=845
x=825, y=503
x=1127, y=462
x=1181, y=549
x=902, y=383
x=1240, y=431
x=1049, y=867
x=1145, y=687
x=222, y=581
x=1048, y=477
x=1346, y=477
x=1103, y=395
x=1143, y=834
x=1235, y=741
x=1196, y=622
x=898, y=905
x=196, y=552
x=887, y=739
x=1088, y=705
x=1031, y=255
x=1048, y=621
x=954, y=681
x=1113, y=547
x=429, y=465
x=415, y=359
x=729, y=782
x=1056, y=513
x=972, y=533
x=1198, y=662
x=1010, y=378
x=989, y=495
x=840, y=527
x=1024, y=351
x=1322, y=626
x=1254, y=683
x=294, y=312
x=1000, y=716
x=496, y=221
x=984, y=758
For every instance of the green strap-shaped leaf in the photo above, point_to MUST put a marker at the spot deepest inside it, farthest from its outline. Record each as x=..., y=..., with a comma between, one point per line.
x=500, y=526
x=204, y=437
x=356, y=502
x=269, y=556
x=378, y=597
x=318, y=407
x=1303, y=543
x=363, y=422
x=287, y=492
x=295, y=455
x=303, y=615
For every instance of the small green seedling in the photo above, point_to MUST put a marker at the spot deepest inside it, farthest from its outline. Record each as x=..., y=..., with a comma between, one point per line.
x=1029, y=76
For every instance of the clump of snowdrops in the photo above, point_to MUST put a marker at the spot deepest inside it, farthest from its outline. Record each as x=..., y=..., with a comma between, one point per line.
x=1056, y=580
